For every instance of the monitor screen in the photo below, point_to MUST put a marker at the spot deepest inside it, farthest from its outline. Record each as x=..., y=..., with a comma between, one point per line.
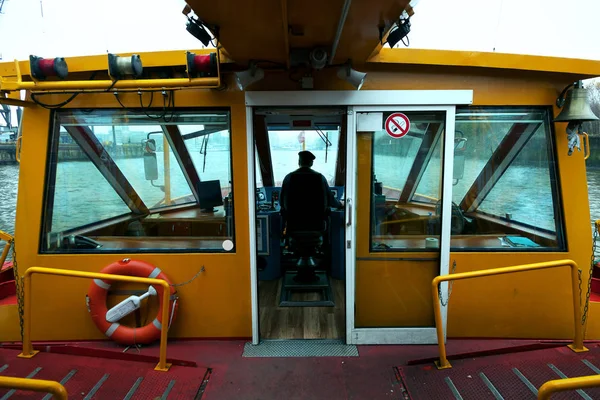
x=209, y=195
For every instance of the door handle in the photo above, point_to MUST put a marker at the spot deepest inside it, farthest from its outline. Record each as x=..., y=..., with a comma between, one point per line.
x=348, y=212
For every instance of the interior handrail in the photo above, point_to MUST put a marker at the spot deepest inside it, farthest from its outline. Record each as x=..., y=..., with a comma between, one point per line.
x=561, y=385
x=577, y=345
x=9, y=239
x=35, y=385
x=28, y=351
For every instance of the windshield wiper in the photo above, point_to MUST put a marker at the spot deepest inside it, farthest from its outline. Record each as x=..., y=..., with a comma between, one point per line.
x=325, y=138
x=204, y=150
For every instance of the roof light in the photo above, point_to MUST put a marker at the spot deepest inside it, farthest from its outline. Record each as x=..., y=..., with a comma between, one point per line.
x=118, y=67
x=41, y=68
x=354, y=77
x=248, y=77
x=398, y=34
x=198, y=31
x=202, y=65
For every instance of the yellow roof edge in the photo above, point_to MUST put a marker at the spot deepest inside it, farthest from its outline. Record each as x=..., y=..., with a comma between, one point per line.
x=575, y=66
x=100, y=62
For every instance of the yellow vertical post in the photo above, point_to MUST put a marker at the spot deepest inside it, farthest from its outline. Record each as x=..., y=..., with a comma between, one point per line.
x=28, y=351
x=167, y=163
x=437, y=311
x=162, y=362
x=577, y=345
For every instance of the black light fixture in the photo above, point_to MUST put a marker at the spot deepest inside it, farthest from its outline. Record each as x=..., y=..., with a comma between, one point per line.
x=399, y=33
x=194, y=26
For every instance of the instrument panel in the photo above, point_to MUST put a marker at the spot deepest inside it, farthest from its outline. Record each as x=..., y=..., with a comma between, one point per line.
x=270, y=195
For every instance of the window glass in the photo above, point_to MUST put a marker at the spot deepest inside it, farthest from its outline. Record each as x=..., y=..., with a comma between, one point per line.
x=120, y=180
x=82, y=195
x=285, y=146
x=511, y=201
x=406, y=184
x=257, y=175
x=528, y=177
x=429, y=188
x=392, y=160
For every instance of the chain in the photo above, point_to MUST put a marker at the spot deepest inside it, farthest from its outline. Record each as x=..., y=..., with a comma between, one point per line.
x=19, y=286
x=589, y=288
x=191, y=280
x=450, y=285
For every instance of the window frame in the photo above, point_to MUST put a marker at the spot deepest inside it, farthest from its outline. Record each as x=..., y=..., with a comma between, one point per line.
x=555, y=187
x=49, y=190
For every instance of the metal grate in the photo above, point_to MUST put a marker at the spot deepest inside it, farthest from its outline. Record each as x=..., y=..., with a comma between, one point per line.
x=300, y=348
x=509, y=376
x=102, y=378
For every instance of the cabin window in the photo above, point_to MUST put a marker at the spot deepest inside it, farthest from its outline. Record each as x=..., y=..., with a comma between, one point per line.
x=505, y=193
x=509, y=191
x=285, y=145
x=127, y=181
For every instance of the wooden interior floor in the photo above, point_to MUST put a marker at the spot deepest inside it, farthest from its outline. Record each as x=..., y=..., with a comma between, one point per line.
x=300, y=322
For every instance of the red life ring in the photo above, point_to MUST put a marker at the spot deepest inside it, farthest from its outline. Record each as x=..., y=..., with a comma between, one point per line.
x=96, y=299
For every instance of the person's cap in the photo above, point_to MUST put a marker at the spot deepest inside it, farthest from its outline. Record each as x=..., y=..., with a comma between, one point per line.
x=306, y=155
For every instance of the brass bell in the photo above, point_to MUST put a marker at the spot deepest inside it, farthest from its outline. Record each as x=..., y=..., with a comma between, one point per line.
x=576, y=107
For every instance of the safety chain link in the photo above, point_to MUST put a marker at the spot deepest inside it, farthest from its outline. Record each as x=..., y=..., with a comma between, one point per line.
x=589, y=288
x=19, y=286
x=450, y=284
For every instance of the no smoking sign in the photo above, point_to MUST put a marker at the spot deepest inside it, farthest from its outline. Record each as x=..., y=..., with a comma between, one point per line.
x=397, y=125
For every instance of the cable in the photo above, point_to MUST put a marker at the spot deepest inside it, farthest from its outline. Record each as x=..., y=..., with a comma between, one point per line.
x=191, y=280
x=117, y=97
x=59, y=105
x=53, y=106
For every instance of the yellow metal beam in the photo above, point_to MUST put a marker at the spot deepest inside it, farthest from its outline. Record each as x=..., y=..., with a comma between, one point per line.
x=577, y=345
x=100, y=62
x=562, y=385
x=6, y=236
x=582, y=68
x=168, y=83
x=286, y=31
x=14, y=102
x=28, y=351
x=35, y=385
x=9, y=241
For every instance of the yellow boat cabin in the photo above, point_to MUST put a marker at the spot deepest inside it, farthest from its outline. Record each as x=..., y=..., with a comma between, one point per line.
x=296, y=181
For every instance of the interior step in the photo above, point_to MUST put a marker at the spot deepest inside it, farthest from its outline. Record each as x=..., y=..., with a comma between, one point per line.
x=98, y=378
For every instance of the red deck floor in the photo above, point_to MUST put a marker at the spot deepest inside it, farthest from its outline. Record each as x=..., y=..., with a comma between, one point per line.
x=372, y=375
x=113, y=378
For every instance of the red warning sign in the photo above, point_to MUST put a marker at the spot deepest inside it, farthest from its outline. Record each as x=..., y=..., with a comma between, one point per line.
x=397, y=125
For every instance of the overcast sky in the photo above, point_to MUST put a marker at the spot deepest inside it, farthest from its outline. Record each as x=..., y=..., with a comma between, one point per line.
x=83, y=27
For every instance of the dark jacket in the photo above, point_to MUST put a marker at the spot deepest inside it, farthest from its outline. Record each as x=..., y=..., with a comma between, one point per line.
x=285, y=188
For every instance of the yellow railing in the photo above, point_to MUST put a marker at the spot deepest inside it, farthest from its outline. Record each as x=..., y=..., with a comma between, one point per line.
x=577, y=345
x=35, y=385
x=561, y=385
x=28, y=351
x=8, y=239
